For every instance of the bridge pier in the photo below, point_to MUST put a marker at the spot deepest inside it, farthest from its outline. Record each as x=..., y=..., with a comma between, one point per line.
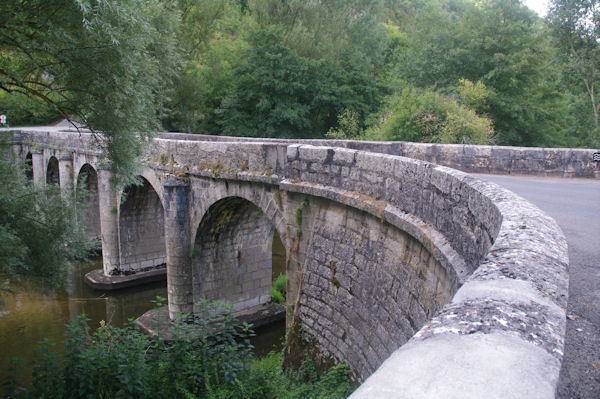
x=178, y=245
x=65, y=174
x=109, y=223
x=39, y=168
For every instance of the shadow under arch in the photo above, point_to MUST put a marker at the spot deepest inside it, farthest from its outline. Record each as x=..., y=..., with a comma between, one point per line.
x=88, y=201
x=29, y=166
x=52, y=175
x=233, y=254
x=141, y=229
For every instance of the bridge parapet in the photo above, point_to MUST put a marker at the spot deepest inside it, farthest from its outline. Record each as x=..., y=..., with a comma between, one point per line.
x=533, y=161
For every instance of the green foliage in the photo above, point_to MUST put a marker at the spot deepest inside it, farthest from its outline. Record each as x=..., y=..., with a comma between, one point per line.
x=268, y=380
x=424, y=115
x=576, y=25
x=101, y=61
x=298, y=212
x=501, y=44
x=271, y=96
x=276, y=296
x=347, y=128
x=326, y=30
x=209, y=358
x=473, y=95
x=208, y=354
x=25, y=111
x=278, y=289
x=212, y=46
x=38, y=232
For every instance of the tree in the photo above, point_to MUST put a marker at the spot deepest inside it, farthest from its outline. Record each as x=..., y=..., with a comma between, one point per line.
x=212, y=43
x=577, y=25
x=38, y=232
x=277, y=93
x=502, y=44
x=101, y=61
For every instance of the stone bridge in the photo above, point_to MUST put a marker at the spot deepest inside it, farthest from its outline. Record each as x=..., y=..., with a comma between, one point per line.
x=426, y=281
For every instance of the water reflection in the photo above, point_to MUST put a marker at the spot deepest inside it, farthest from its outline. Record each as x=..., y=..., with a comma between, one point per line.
x=28, y=316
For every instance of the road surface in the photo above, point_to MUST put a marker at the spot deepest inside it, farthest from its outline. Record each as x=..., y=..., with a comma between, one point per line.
x=575, y=205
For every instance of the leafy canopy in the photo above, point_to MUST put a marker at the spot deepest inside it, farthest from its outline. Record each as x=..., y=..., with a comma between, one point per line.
x=101, y=62
x=38, y=232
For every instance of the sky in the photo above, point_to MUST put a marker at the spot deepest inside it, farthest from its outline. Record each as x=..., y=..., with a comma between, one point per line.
x=539, y=6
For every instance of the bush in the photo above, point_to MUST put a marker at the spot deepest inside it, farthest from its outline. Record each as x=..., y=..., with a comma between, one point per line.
x=209, y=358
x=427, y=116
x=202, y=357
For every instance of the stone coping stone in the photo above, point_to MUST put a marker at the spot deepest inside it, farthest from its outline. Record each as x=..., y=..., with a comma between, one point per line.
x=157, y=320
x=99, y=281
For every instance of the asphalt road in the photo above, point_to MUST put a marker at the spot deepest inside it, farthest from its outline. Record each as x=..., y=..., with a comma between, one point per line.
x=575, y=205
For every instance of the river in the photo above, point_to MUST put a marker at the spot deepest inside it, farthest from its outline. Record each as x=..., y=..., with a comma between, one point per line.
x=28, y=316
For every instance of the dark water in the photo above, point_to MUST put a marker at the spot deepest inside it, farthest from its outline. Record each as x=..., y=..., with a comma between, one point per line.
x=28, y=316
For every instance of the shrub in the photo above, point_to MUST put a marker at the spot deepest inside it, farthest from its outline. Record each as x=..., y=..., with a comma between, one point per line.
x=427, y=116
x=201, y=357
x=209, y=358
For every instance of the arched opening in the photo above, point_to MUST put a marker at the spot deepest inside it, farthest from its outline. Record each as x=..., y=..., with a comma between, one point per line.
x=52, y=176
x=141, y=229
x=88, y=203
x=233, y=255
x=278, y=256
x=29, y=166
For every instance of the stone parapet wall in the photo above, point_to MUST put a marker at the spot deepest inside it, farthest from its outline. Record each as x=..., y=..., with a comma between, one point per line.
x=368, y=286
x=507, y=318
x=401, y=186
x=533, y=161
x=502, y=335
x=71, y=140
x=561, y=162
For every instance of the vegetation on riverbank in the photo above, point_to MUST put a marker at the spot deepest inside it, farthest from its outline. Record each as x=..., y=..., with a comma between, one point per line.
x=39, y=233
x=211, y=358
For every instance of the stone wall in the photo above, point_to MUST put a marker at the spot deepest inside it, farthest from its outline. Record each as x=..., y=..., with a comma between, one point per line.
x=232, y=255
x=141, y=230
x=502, y=335
x=562, y=162
x=368, y=286
x=509, y=259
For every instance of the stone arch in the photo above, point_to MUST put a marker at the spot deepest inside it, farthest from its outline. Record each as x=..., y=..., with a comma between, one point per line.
x=141, y=229
x=86, y=190
x=264, y=198
x=232, y=254
x=150, y=176
x=52, y=175
x=29, y=166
